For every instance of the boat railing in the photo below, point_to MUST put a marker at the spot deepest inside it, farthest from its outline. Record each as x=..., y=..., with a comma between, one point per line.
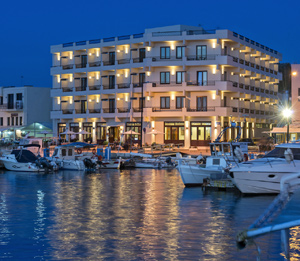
x=288, y=184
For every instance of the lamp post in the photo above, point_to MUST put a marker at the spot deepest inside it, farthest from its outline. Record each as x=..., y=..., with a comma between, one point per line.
x=287, y=113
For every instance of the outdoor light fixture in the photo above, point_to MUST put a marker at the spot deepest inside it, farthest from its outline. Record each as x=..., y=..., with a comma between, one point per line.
x=287, y=113
x=294, y=73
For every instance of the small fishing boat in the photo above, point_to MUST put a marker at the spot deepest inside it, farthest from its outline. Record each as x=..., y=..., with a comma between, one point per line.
x=223, y=155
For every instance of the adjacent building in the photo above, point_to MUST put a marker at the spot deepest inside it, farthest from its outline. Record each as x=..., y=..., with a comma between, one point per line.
x=184, y=82
x=23, y=106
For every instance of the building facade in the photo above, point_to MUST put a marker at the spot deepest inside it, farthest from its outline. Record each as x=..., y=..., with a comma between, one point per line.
x=23, y=106
x=183, y=81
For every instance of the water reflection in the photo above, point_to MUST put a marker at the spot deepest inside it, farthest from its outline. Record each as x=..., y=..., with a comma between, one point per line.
x=127, y=215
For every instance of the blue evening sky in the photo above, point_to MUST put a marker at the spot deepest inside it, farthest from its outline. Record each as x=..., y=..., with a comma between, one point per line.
x=28, y=28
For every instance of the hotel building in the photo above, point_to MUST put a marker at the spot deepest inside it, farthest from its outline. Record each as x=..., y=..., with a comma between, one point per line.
x=183, y=81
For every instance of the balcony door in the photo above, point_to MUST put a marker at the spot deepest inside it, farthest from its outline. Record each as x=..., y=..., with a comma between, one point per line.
x=111, y=105
x=83, y=83
x=83, y=60
x=112, y=58
x=111, y=81
x=83, y=106
x=142, y=79
x=202, y=103
x=202, y=78
x=142, y=54
x=201, y=52
x=10, y=101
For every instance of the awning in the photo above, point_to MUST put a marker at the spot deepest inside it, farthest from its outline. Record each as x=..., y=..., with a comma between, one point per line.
x=284, y=130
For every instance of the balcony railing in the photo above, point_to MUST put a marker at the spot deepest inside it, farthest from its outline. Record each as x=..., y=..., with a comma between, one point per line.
x=195, y=109
x=94, y=87
x=137, y=109
x=80, y=88
x=156, y=109
x=108, y=110
x=204, y=83
x=138, y=84
x=80, y=111
x=95, y=64
x=18, y=105
x=80, y=65
x=67, y=66
x=67, y=111
x=201, y=57
x=94, y=110
x=108, y=87
x=67, y=89
x=171, y=84
x=159, y=59
x=123, y=85
x=123, y=61
x=138, y=60
x=106, y=63
x=123, y=110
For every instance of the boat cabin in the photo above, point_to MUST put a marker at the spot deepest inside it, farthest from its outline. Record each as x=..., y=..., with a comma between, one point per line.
x=227, y=148
x=73, y=150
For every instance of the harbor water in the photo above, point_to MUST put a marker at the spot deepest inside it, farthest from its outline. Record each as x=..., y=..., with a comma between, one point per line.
x=126, y=215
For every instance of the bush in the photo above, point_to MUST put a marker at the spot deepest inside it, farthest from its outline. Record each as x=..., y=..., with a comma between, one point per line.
x=105, y=142
x=153, y=144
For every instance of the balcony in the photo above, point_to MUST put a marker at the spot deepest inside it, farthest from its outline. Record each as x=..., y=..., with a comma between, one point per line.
x=106, y=63
x=123, y=61
x=108, y=87
x=108, y=110
x=67, y=66
x=137, y=109
x=138, y=60
x=67, y=89
x=80, y=111
x=123, y=110
x=95, y=64
x=195, y=109
x=94, y=111
x=204, y=83
x=138, y=84
x=158, y=109
x=159, y=59
x=80, y=65
x=159, y=84
x=18, y=105
x=201, y=57
x=80, y=88
x=67, y=111
x=94, y=87
x=123, y=85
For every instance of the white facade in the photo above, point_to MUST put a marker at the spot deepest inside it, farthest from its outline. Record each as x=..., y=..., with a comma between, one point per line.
x=192, y=82
x=22, y=106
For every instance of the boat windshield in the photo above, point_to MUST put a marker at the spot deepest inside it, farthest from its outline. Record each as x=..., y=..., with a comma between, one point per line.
x=279, y=153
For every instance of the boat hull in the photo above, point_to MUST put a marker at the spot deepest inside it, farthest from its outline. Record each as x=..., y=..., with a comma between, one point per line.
x=194, y=175
x=258, y=182
x=24, y=167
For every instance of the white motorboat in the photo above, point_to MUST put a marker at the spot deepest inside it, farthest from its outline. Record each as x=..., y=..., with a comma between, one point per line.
x=263, y=176
x=213, y=167
x=24, y=160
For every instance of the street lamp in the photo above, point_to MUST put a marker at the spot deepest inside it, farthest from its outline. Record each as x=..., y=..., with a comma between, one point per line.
x=287, y=113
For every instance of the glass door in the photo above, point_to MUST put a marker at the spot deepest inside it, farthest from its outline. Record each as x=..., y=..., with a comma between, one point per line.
x=111, y=105
x=201, y=52
x=112, y=58
x=142, y=54
x=202, y=78
x=83, y=106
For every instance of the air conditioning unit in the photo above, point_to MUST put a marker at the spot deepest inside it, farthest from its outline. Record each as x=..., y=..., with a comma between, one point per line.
x=19, y=105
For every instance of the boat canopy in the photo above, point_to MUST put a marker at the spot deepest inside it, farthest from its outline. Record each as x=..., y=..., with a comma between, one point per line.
x=24, y=156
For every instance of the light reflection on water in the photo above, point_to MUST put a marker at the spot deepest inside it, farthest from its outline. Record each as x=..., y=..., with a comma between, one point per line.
x=127, y=215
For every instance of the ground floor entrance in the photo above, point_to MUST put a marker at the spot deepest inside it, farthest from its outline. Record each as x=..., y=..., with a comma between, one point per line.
x=113, y=134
